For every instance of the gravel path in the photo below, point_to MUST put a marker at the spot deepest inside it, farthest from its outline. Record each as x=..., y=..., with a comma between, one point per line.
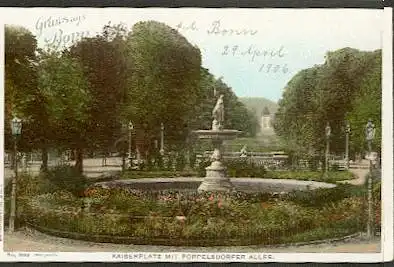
x=31, y=240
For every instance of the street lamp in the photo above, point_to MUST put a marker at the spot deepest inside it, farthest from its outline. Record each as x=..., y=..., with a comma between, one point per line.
x=369, y=136
x=328, y=135
x=131, y=127
x=16, y=129
x=347, y=131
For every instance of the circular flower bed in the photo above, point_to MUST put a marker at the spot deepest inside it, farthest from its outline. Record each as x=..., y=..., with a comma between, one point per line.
x=122, y=215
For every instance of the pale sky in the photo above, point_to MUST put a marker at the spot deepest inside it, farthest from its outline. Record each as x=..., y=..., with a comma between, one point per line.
x=293, y=39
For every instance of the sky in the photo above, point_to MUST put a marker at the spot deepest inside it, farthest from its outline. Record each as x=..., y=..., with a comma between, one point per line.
x=255, y=51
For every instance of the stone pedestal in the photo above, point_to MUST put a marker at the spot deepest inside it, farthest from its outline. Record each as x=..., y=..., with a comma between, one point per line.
x=215, y=179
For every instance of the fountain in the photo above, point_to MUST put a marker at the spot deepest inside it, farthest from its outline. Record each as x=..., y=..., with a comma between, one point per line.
x=215, y=178
x=137, y=221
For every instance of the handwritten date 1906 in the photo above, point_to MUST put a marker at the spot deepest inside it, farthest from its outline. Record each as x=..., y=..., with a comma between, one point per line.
x=273, y=68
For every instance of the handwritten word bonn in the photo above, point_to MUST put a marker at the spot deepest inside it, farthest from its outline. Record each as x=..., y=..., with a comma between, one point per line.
x=217, y=29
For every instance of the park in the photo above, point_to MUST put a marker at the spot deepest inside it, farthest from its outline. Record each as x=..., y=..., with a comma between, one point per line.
x=126, y=139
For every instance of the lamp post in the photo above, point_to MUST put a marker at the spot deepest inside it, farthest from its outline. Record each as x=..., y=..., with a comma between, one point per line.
x=370, y=135
x=131, y=127
x=328, y=135
x=162, y=139
x=347, y=131
x=16, y=128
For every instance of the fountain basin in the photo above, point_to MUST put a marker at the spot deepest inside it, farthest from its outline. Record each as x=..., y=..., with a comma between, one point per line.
x=224, y=134
x=248, y=185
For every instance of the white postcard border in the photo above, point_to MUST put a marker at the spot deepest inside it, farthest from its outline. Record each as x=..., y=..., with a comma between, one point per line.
x=386, y=253
x=387, y=136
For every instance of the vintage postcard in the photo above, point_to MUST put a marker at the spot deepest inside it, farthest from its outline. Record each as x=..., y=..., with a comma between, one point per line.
x=196, y=135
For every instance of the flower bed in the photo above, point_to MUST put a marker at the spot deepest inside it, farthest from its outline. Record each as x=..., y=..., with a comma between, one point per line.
x=174, y=218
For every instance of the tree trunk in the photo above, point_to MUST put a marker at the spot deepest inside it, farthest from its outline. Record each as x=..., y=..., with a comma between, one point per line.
x=44, y=158
x=79, y=159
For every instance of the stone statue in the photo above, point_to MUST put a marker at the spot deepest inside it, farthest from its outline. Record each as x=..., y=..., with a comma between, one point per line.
x=218, y=115
x=328, y=131
x=370, y=134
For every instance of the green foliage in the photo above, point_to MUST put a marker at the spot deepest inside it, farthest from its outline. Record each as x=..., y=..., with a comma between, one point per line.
x=367, y=105
x=192, y=159
x=244, y=168
x=322, y=196
x=377, y=191
x=62, y=82
x=165, y=74
x=106, y=68
x=170, y=163
x=80, y=97
x=28, y=186
x=259, y=104
x=261, y=143
x=180, y=162
x=208, y=218
x=201, y=167
x=332, y=92
x=68, y=178
x=159, y=161
x=22, y=97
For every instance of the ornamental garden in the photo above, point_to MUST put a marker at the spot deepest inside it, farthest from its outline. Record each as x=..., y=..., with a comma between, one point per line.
x=184, y=175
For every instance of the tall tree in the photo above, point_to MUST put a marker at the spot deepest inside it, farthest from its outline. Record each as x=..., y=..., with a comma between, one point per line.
x=163, y=85
x=68, y=101
x=326, y=93
x=22, y=96
x=105, y=64
x=367, y=104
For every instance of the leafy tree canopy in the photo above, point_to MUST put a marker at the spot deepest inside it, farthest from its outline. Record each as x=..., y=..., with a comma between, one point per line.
x=346, y=87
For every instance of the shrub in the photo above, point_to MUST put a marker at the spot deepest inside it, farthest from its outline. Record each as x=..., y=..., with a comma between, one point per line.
x=244, y=168
x=192, y=159
x=201, y=168
x=149, y=165
x=334, y=167
x=377, y=191
x=65, y=177
x=170, y=162
x=30, y=185
x=159, y=161
x=314, y=162
x=27, y=186
x=180, y=162
x=321, y=196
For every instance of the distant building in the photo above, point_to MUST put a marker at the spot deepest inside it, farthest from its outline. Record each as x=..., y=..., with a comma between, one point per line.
x=266, y=120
